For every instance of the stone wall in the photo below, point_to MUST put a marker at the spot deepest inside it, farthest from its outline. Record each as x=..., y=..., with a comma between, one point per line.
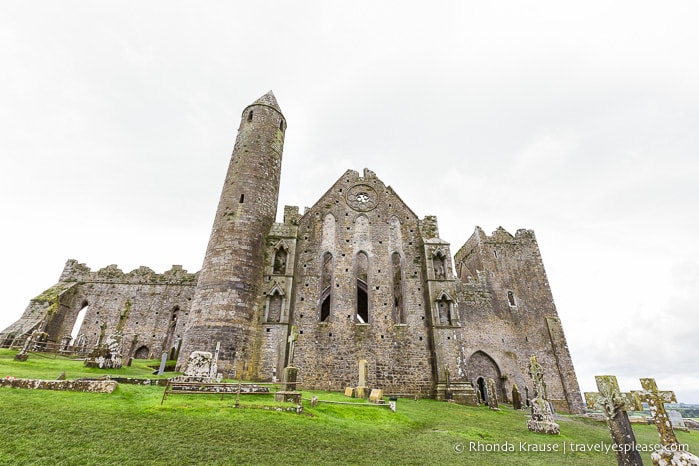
x=150, y=310
x=360, y=215
x=510, y=314
x=94, y=386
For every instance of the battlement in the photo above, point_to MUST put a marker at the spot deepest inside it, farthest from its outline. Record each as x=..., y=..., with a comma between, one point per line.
x=77, y=272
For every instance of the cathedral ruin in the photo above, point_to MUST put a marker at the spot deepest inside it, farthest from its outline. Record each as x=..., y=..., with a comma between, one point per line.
x=358, y=275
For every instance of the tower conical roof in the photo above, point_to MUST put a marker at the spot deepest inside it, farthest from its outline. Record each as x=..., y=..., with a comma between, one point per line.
x=269, y=100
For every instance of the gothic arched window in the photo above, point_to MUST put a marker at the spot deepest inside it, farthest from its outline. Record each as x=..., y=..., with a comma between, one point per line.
x=361, y=267
x=326, y=279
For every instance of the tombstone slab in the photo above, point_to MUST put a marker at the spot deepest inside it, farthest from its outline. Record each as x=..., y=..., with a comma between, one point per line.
x=492, y=394
x=349, y=391
x=516, y=397
x=376, y=396
x=199, y=365
x=107, y=355
x=676, y=420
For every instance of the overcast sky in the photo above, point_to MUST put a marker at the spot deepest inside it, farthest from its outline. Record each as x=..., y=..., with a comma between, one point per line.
x=579, y=120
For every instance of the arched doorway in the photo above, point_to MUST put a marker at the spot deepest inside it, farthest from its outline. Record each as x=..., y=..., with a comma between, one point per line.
x=480, y=368
x=141, y=353
x=482, y=392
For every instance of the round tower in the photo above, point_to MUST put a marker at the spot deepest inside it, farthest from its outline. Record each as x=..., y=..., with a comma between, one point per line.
x=225, y=303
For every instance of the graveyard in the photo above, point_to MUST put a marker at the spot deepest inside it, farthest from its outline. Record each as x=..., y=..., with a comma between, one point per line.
x=132, y=425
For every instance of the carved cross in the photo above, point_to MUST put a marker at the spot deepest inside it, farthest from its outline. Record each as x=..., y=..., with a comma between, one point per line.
x=614, y=403
x=293, y=336
x=537, y=374
x=656, y=403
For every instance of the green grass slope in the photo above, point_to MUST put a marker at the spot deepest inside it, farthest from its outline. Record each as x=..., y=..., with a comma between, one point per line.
x=131, y=427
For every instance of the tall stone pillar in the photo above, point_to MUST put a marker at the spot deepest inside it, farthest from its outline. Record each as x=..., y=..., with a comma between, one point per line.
x=225, y=303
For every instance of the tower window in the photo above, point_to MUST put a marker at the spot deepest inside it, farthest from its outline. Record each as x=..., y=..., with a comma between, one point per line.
x=511, y=298
x=281, y=125
x=242, y=198
x=250, y=115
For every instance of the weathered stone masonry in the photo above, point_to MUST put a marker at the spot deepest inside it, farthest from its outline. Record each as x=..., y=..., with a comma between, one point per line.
x=358, y=274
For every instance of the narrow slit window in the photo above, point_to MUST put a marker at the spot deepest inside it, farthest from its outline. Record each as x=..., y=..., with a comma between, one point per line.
x=250, y=115
x=361, y=275
x=326, y=287
x=242, y=198
x=511, y=298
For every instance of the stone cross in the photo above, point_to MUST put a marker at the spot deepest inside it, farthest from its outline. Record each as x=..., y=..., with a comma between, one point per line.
x=614, y=403
x=671, y=453
x=537, y=374
x=103, y=329
x=656, y=404
x=293, y=336
x=213, y=370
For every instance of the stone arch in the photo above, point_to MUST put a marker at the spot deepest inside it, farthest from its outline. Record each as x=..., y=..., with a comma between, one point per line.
x=142, y=353
x=362, y=236
x=281, y=253
x=79, y=318
x=445, y=313
x=440, y=264
x=274, y=311
x=482, y=366
x=328, y=233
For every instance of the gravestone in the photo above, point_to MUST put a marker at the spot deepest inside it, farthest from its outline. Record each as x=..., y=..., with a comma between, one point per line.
x=492, y=394
x=199, y=365
x=163, y=361
x=362, y=391
x=293, y=337
x=670, y=452
x=107, y=355
x=23, y=354
x=288, y=390
x=542, y=415
x=516, y=397
x=376, y=395
x=213, y=370
x=614, y=404
x=349, y=391
x=676, y=420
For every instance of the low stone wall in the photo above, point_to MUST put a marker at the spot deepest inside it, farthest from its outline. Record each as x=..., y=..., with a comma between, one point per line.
x=94, y=386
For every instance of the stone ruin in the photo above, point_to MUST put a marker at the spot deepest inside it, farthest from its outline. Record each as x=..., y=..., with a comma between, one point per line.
x=542, y=420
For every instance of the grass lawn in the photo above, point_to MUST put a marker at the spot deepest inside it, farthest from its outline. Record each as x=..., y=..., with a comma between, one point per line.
x=130, y=427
